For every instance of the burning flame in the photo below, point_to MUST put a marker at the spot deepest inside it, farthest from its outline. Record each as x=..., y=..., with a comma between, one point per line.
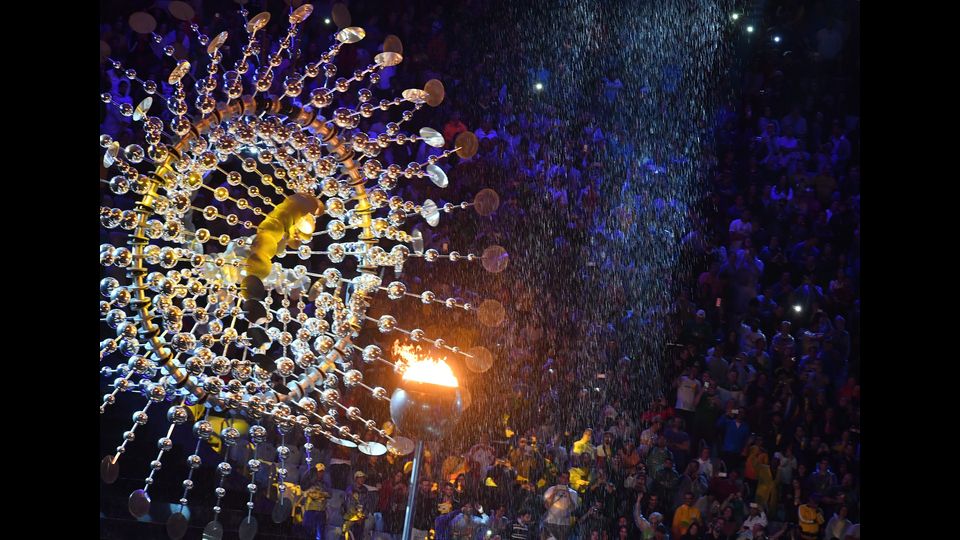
x=422, y=369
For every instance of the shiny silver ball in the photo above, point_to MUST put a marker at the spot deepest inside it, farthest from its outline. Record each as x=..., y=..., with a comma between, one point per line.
x=165, y=444
x=258, y=434
x=203, y=430
x=177, y=415
x=230, y=435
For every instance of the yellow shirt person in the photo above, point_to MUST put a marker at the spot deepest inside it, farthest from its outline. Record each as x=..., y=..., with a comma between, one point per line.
x=811, y=519
x=685, y=515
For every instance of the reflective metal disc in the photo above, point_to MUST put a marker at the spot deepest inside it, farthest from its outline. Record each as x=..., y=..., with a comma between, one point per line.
x=372, y=448
x=217, y=42
x=468, y=144
x=415, y=95
x=430, y=212
x=109, y=471
x=139, y=503
x=142, y=108
x=387, y=59
x=178, y=72
x=301, y=13
x=181, y=10
x=432, y=137
x=213, y=531
x=248, y=528
x=401, y=446
x=437, y=175
x=351, y=34
x=392, y=44
x=142, y=22
x=416, y=241
x=110, y=156
x=177, y=526
x=258, y=21
x=486, y=202
x=340, y=15
x=435, y=92
x=282, y=510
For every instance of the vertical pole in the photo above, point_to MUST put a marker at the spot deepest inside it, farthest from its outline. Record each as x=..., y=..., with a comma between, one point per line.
x=412, y=497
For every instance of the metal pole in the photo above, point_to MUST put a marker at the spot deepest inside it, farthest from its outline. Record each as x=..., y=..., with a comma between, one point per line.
x=412, y=497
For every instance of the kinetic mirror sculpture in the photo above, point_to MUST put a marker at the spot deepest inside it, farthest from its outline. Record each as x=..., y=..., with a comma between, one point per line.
x=209, y=324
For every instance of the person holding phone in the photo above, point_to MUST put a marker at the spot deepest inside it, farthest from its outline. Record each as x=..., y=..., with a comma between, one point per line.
x=736, y=435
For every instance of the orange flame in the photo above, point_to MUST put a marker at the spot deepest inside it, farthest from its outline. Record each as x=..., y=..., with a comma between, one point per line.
x=422, y=369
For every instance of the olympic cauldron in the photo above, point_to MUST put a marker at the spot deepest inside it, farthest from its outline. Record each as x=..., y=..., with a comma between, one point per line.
x=426, y=405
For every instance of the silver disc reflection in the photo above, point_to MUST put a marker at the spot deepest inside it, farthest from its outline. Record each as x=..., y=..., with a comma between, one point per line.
x=495, y=259
x=372, y=448
x=177, y=526
x=282, y=510
x=110, y=156
x=352, y=34
x=486, y=202
x=142, y=23
x=139, y=503
x=392, y=43
x=387, y=59
x=430, y=212
x=248, y=528
x=433, y=138
x=401, y=446
x=257, y=22
x=481, y=359
x=141, y=111
x=213, y=531
x=109, y=471
x=417, y=241
x=415, y=95
x=342, y=442
x=491, y=313
x=437, y=176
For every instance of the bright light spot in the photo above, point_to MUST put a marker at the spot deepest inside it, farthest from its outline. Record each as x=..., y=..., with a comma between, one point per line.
x=306, y=224
x=750, y=29
x=425, y=369
x=735, y=16
x=326, y=21
x=538, y=86
x=797, y=308
x=776, y=39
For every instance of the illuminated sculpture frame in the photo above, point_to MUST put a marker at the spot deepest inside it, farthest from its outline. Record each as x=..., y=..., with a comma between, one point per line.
x=317, y=157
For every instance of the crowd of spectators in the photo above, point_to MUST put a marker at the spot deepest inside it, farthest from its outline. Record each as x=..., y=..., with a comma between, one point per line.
x=758, y=433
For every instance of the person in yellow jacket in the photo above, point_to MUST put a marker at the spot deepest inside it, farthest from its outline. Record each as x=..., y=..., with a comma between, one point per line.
x=767, y=494
x=584, y=445
x=314, y=504
x=685, y=515
x=811, y=520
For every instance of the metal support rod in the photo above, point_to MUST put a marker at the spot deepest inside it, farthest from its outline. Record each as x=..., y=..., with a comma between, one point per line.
x=412, y=497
